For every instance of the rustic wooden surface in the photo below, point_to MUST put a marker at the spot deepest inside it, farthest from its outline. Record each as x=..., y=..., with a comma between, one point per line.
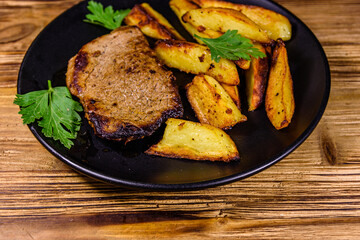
x=313, y=193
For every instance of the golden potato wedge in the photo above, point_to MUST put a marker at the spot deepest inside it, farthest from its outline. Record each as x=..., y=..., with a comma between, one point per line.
x=180, y=7
x=195, y=58
x=223, y=19
x=233, y=92
x=212, y=104
x=273, y=23
x=151, y=23
x=279, y=99
x=256, y=80
x=196, y=141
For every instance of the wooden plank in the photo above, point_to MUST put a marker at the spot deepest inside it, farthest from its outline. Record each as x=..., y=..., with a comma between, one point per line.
x=312, y=193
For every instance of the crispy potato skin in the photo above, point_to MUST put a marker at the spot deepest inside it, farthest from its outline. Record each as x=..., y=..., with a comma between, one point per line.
x=180, y=7
x=212, y=104
x=233, y=92
x=151, y=23
x=274, y=24
x=196, y=141
x=279, y=100
x=256, y=80
x=243, y=63
x=195, y=58
x=223, y=19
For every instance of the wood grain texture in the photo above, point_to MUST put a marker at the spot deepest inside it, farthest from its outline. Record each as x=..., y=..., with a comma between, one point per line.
x=314, y=193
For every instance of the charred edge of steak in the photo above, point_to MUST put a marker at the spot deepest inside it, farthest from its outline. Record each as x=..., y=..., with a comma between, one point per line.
x=81, y=61
x=127, y=131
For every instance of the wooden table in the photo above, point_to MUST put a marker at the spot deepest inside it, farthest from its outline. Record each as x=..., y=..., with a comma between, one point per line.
x=313, y=193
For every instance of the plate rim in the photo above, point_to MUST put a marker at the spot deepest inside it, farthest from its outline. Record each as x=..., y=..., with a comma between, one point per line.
x=94, y=174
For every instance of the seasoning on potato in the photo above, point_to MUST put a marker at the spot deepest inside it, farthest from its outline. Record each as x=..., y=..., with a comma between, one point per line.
x=233, y=92
x=273, y=23
x=151, y=23
x=223, y=19
x=180, y=7
x=196, y=59
x=212, y=104
x=279, y=99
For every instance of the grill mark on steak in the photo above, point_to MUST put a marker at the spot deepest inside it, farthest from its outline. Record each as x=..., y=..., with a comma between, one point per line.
x=125, y=91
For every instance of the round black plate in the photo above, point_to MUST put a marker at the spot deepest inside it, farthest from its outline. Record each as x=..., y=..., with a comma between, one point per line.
x=259, y=144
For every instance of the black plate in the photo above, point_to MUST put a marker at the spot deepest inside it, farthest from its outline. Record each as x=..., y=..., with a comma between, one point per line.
x=259, y=144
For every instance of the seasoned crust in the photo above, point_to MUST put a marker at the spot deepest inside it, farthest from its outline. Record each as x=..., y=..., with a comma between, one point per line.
x=126, y=93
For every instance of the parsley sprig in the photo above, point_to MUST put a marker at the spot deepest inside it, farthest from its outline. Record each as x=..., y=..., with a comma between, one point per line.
x=107, y=17
x=232, y=46
x=55, y=111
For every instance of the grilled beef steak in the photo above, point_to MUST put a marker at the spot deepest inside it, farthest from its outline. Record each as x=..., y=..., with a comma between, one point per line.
x=126, y=93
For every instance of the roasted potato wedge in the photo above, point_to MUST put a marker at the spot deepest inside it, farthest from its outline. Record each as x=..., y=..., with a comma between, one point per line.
x=279, y=99
x=151, y=23
x=192, y=140
x=256, y=80
x=273, y=23
x=212, y=104
x=180, y=7
x=195, y=58
x=233, y=92
x=223, y=19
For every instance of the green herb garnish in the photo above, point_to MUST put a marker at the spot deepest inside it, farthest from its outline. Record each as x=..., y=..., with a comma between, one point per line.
x=231, y=46
x=56, y=109
x=107, y=17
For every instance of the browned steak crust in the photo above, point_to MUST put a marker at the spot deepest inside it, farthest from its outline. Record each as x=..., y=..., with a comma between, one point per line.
x=126, y=93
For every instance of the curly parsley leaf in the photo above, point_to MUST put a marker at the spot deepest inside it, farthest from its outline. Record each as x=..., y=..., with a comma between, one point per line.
x=232, y=46
x=55, y=111
x=107, y=17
